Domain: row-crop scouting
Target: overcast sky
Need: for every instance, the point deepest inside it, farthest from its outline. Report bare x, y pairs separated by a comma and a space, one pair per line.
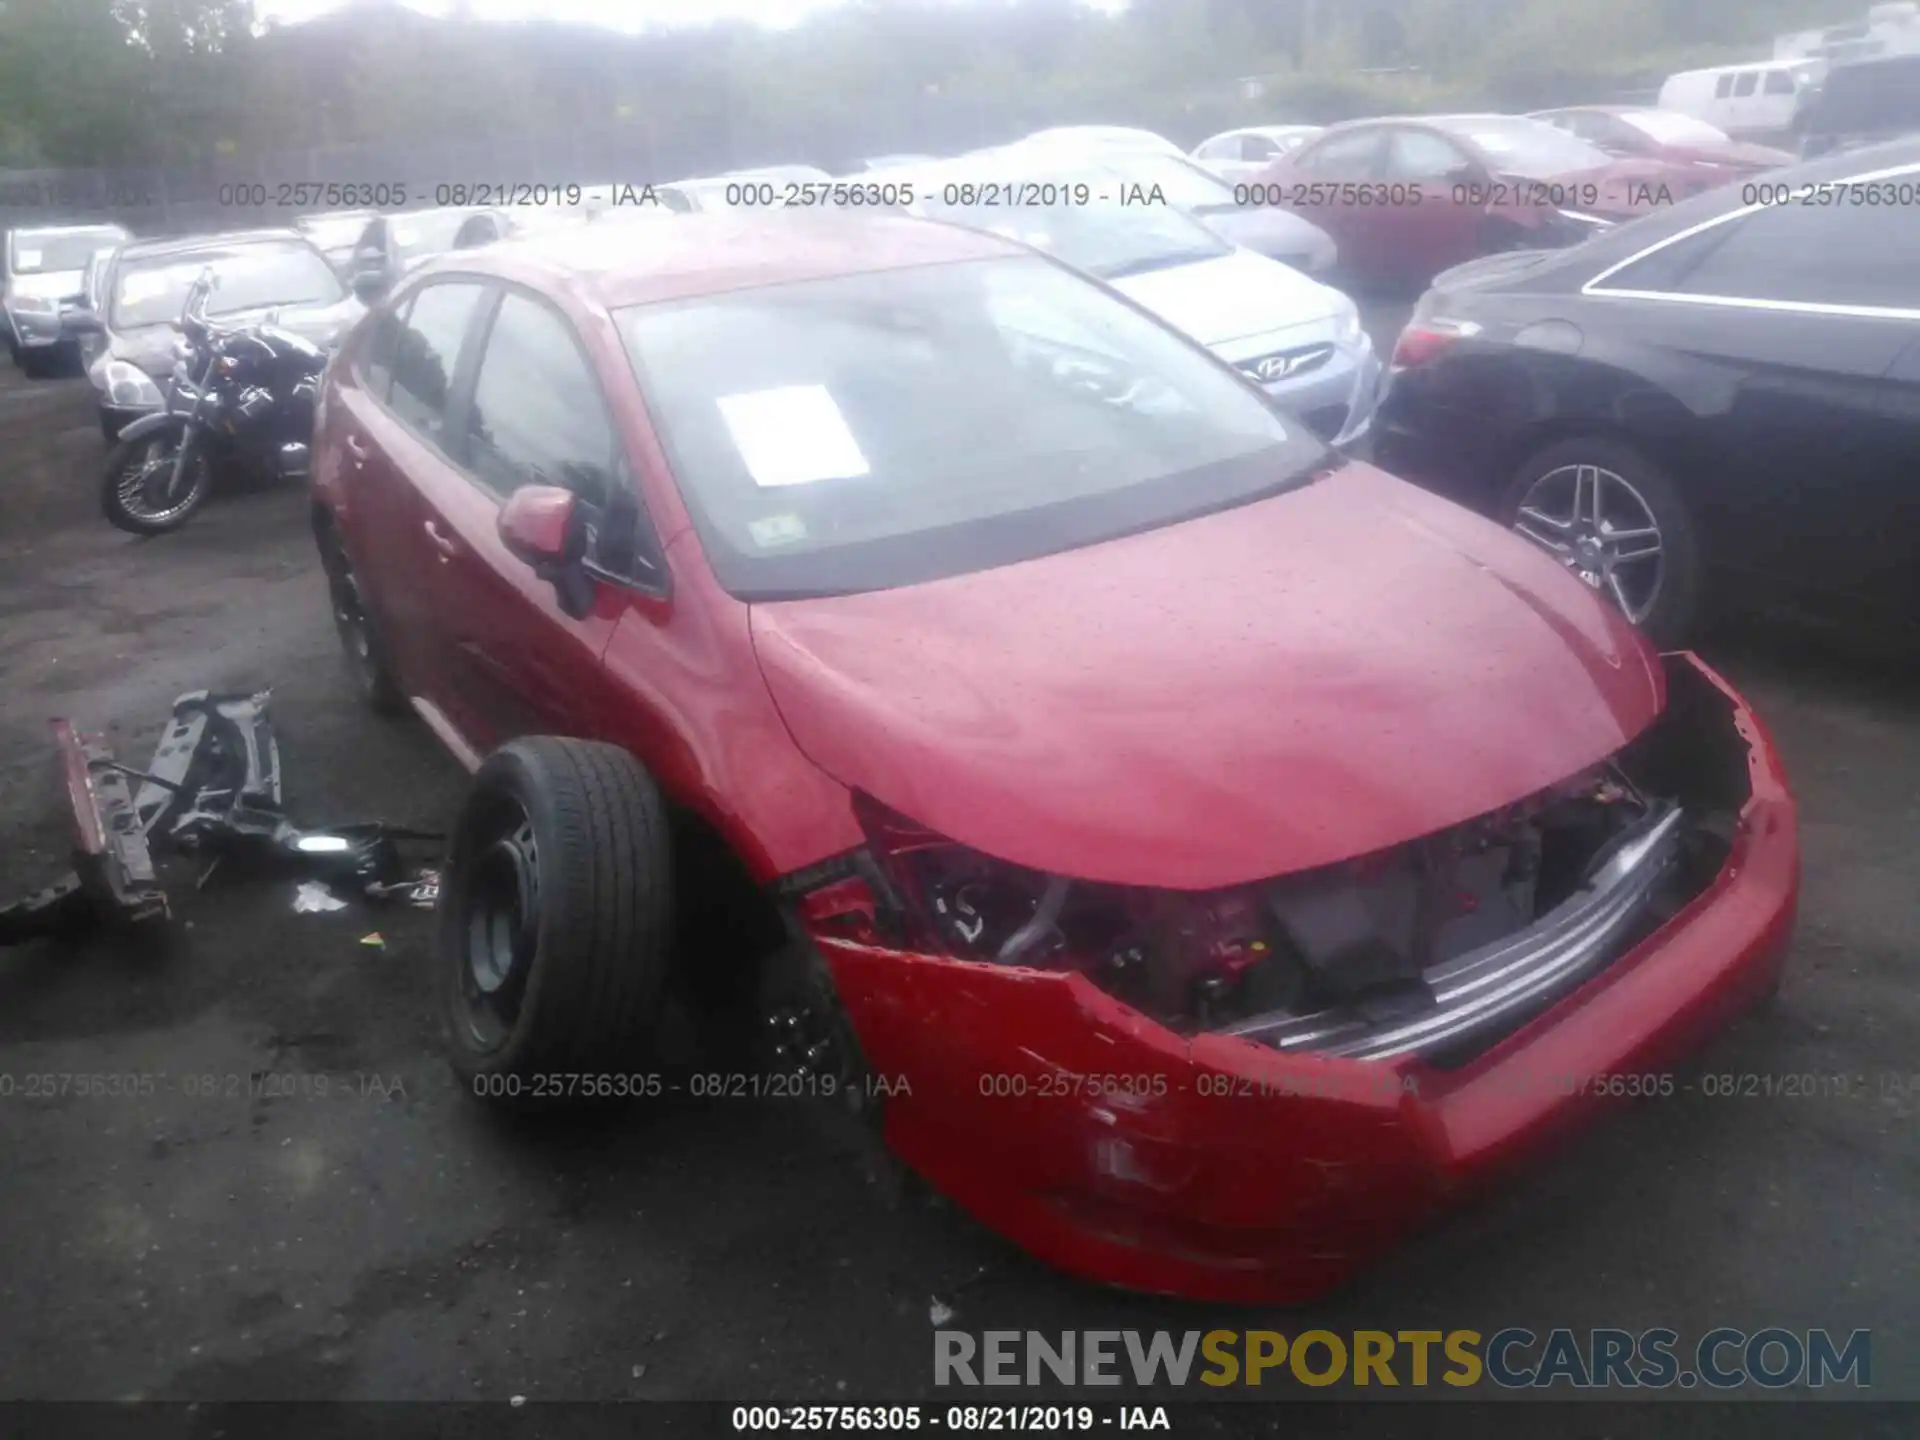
623, 14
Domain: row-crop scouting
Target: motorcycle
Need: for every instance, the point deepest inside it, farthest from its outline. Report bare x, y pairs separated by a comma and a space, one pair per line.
240, 397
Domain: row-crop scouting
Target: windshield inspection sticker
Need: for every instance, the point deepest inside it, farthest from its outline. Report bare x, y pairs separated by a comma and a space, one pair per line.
793, 435
777, 530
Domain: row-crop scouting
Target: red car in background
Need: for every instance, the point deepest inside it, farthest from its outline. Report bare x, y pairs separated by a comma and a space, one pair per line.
1405, 199
1196, 853
1709, 154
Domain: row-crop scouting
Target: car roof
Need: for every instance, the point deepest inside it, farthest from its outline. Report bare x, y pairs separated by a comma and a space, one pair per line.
64, 229
183, 244
711, 252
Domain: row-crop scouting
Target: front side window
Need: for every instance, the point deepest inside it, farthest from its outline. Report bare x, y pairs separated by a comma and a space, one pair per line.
1747, 83
886, 429
247, 277
426, 351
1779, 82
537, 416
1259, 147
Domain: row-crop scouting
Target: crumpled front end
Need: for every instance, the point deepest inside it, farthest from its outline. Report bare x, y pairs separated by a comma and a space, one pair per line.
1241, 1095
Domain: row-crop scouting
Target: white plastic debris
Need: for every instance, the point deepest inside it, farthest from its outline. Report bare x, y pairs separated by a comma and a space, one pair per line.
939, 1314
314, 898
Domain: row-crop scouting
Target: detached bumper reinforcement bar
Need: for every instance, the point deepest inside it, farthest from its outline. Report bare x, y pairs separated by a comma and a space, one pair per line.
1485, 988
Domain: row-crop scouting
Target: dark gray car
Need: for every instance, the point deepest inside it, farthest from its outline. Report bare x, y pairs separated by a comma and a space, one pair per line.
128, 333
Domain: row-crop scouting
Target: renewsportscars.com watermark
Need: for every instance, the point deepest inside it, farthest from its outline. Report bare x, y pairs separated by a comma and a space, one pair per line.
1513, 1358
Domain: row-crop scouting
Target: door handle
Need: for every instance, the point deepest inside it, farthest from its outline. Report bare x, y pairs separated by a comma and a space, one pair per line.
357, 448
441, 541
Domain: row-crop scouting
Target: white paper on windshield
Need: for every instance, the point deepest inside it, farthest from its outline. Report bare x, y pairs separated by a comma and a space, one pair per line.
773, 530
793, 435
27, 259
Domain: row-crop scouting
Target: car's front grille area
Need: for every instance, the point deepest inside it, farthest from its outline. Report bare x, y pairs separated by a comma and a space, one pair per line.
1280, 365
1486, 988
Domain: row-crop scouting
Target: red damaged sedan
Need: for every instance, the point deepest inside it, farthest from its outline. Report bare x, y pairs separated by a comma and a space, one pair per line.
1201, 853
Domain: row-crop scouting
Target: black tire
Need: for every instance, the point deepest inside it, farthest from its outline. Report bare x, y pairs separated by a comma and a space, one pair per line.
42, 363
127, 459
1674, 606
362, 645
109, 428
555, 922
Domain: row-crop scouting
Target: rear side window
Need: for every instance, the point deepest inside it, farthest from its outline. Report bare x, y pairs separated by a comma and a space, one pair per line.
1353, 154
537, 416
1839, 254
1746, 84
1421, 155
426, 350
374, 367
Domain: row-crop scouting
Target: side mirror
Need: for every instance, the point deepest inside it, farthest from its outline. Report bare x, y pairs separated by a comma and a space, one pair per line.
369, 285
81, 319
545, 526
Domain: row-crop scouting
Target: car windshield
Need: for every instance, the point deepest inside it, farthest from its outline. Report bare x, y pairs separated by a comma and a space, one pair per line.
886, 429
250, 277
1083, 221
1527, 147
52, 252
1670, 127
1883, 95
425, 232
1179, 180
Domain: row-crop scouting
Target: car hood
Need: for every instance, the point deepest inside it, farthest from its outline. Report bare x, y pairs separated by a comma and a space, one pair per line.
47, 285
1272, 231
1318, 675
1233, 297
151, 346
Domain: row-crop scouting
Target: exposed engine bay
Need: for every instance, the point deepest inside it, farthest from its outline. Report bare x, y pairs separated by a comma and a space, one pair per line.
1433, 947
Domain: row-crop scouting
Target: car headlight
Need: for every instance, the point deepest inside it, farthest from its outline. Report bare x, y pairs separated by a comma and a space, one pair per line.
1346, 325
130, 387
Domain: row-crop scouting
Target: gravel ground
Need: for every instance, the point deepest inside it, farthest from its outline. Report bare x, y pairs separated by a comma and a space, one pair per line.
389, 1240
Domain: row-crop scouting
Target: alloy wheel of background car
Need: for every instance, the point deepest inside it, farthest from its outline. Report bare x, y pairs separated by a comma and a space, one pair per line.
1599, 527
556, 921
133, 469
1613, 519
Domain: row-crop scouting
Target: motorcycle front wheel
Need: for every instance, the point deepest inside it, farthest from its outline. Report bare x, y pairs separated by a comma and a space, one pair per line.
140, 492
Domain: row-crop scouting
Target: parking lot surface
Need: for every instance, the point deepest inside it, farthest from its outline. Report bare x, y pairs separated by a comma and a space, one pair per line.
223, 1238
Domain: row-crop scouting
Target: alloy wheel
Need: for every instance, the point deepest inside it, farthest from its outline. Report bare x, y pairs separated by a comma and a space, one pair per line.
1602, 529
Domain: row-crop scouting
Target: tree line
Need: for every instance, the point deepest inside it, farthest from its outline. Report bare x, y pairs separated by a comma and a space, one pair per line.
187, 82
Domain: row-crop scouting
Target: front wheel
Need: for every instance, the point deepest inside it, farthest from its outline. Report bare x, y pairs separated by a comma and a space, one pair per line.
149, 488
556, 916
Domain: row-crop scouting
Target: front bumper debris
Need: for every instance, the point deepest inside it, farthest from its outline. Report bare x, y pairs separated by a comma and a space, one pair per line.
112, 875
1219, 1166
213, 789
